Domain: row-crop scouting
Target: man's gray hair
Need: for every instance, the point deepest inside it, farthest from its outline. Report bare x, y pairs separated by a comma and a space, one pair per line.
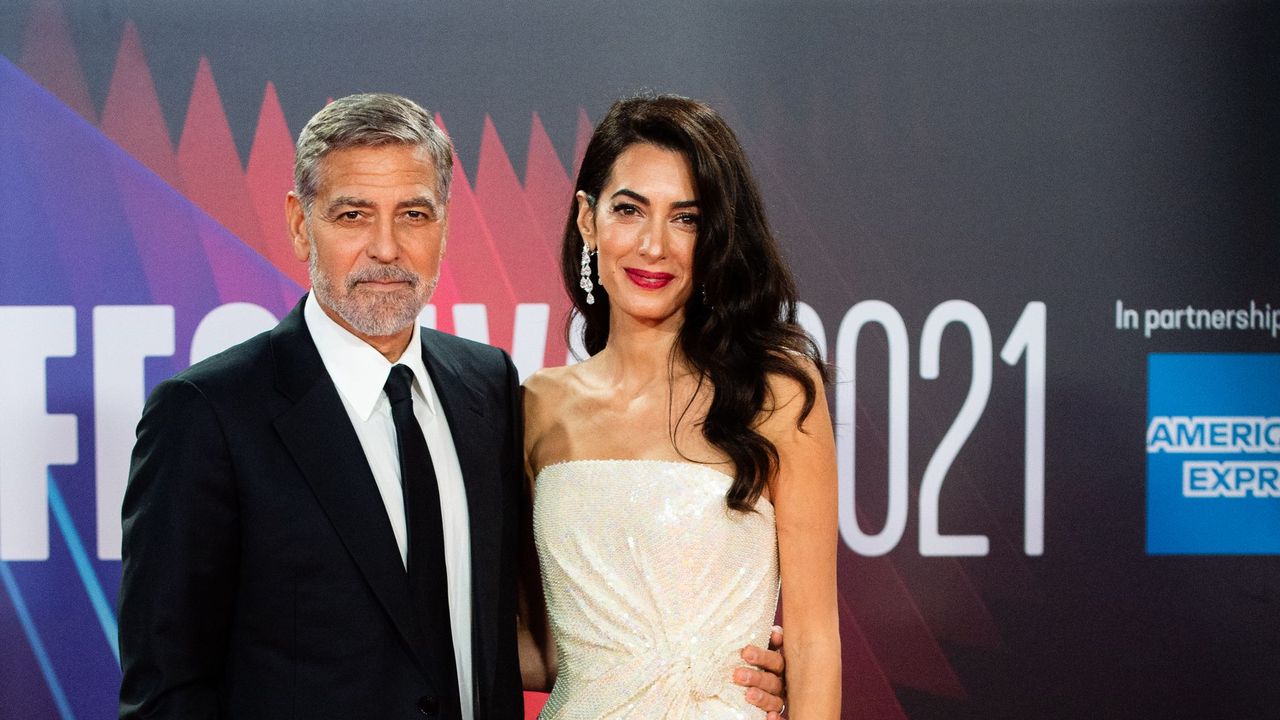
368, 120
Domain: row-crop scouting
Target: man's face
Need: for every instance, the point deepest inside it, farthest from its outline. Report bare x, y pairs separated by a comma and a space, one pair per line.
373, 239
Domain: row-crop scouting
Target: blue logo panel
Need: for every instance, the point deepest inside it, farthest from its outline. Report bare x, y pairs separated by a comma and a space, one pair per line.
1213, 454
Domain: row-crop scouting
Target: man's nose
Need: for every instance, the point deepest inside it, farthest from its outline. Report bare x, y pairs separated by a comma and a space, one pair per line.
384, 242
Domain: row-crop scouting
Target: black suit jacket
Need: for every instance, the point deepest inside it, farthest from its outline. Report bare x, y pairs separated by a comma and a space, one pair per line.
261, 576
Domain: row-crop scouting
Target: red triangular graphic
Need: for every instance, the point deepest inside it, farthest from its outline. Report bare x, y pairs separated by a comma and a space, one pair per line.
445, 297
210, 164
132, 116
547, 187
476, 265
269, 178
49, 57
549, 193
530, 264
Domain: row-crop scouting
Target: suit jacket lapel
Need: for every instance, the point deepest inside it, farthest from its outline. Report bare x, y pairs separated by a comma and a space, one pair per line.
472, 438
318, 435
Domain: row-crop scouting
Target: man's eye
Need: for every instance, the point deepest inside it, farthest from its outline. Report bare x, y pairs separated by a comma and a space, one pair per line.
350, 215
416, 215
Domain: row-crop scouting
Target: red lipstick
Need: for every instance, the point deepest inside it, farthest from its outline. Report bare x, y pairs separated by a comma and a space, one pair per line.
648, 279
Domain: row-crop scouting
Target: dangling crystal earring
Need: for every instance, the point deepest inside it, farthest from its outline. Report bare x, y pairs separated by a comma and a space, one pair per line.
585, 283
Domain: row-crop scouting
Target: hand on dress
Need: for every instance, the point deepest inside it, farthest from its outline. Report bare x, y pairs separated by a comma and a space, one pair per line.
766, 681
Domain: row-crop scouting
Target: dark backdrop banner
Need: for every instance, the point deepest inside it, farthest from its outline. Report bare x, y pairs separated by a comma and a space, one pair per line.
1037, 240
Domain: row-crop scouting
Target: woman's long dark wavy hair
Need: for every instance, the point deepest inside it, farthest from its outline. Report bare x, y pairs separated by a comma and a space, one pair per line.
741, 326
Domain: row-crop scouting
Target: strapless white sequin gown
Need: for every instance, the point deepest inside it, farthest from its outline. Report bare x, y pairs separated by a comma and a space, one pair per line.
653, 587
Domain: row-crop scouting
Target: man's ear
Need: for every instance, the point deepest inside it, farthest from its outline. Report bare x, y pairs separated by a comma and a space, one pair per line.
297, 222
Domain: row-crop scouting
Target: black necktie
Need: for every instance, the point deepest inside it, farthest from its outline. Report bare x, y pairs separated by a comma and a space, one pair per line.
428, 583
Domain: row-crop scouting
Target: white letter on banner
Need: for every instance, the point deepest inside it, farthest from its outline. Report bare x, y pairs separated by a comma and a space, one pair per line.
427, 318
30, 438
1027, 339
895, 522
228, 325
123, 337
471, 321
528, 336
529, 339
812, 324
932, 542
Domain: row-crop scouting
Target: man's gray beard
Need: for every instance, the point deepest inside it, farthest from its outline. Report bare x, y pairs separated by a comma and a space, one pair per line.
376, 314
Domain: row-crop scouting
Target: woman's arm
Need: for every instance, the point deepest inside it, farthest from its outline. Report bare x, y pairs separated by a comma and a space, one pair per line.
537, 652
804, 494
533, 633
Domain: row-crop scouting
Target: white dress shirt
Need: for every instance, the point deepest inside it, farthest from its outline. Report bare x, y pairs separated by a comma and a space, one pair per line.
359, 372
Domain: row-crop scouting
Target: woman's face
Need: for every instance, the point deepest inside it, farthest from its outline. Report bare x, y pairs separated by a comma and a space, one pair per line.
644, 225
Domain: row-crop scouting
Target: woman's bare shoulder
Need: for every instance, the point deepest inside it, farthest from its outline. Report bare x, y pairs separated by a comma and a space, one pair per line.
785, 408
550, 383
552, 399
548, 390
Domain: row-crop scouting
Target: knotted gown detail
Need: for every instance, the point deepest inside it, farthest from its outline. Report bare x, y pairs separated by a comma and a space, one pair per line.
653, 586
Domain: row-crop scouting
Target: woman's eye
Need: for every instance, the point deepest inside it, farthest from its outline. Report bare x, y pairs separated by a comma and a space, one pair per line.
687, 219
626, 209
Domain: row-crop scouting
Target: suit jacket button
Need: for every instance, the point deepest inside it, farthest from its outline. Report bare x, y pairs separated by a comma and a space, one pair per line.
428, 705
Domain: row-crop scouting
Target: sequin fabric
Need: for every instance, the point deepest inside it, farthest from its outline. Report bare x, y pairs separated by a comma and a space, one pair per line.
653, 587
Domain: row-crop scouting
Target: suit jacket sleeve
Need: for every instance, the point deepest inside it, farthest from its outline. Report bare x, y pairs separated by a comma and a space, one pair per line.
510, 703
180, 557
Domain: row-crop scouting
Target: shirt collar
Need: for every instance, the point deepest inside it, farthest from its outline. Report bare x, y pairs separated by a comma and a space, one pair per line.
357, 369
